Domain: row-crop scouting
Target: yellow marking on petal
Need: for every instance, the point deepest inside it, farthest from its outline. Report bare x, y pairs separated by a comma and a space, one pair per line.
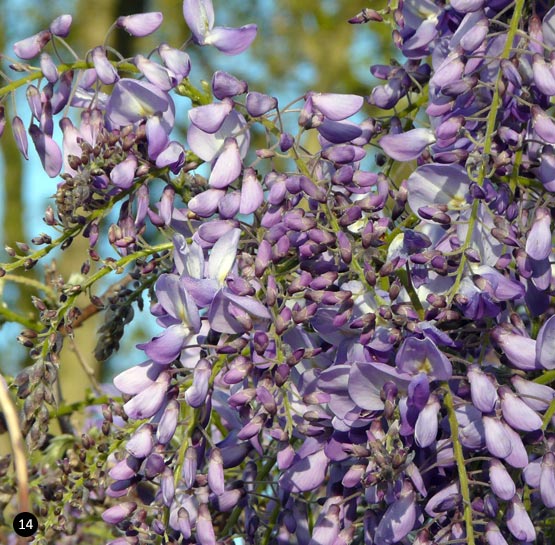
458, 202
425, 367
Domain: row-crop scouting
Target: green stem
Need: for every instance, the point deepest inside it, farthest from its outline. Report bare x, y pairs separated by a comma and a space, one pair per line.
11, 316
45, 250
461, 467
30, 282
488, 140
62, 68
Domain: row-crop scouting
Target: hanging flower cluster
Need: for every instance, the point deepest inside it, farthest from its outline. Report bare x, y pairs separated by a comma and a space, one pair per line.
345, 356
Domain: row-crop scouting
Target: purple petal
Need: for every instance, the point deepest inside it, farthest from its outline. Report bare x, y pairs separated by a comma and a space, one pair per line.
408, 145
516, 413
228, 206
168, 423
173, 157
166, 347
497, 439
216, 472
175, 300
118, 513
49, 68
425, 429
258, 104
252, 194
520, 351
538, 243
106, 72
177, 61
536, 396
49, 152
444, 500
228, 165
366, 380
123, 174
305, 474
543, 124
137, 378
231, 41
344, 153
438, 184
126, 469
207, 146
155, 73
206, 203
132, 100
61, 25
196, 394
252, 306
326, 529
199, 16
211, 117
518, 456
156, 135
32, 46
337, 106
222, 257
502, 484
141, 442
148, 402
20, 136
547, 480
210, 232
225, 85
543, 78
545, 345
494, 535
465, 6
423, 356
518, 521
205, 529
397, 521
339, 132
482, 389
189, 470
140, 24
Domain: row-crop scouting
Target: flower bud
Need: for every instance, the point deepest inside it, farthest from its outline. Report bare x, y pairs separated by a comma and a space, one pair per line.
140, 24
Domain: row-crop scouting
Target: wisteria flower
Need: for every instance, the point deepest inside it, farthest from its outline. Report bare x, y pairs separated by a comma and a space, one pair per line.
199, 16
180, 318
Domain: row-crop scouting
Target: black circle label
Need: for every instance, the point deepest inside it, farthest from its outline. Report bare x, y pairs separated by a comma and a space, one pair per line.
25, 524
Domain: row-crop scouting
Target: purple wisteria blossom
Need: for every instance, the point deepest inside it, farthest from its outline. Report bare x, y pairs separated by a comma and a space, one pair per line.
199, 16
